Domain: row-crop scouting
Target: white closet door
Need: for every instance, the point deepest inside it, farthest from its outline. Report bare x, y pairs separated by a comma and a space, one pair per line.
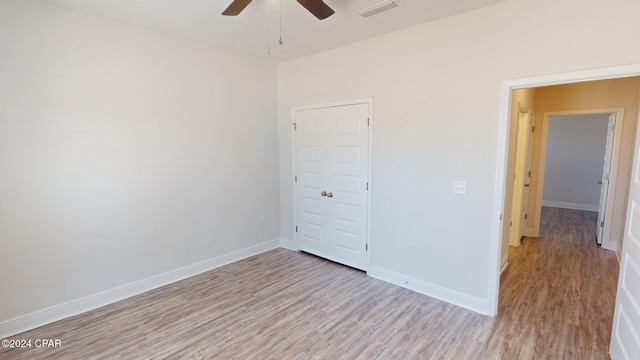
332, 157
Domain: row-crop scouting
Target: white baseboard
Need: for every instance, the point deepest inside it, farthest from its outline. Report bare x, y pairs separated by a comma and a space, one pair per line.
58, 312
451, 296
572, 206
609, 245
288, 244
504, 262
528, 232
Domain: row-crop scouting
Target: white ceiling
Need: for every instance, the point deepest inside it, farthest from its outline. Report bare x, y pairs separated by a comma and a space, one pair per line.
302, 33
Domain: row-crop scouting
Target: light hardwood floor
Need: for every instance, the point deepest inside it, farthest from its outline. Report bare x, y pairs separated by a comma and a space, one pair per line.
556, 302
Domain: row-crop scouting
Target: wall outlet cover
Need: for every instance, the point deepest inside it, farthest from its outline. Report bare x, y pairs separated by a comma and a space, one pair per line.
460, 187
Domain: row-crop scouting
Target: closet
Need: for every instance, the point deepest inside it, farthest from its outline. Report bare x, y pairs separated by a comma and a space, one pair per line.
332, 187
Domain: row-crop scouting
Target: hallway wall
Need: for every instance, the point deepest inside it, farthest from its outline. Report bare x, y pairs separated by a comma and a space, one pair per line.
574, 161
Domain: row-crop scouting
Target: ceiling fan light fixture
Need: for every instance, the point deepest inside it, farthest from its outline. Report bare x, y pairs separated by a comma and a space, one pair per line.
378, 8
316, 7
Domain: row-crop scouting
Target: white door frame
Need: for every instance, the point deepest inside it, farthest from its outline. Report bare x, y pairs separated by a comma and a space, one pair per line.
369, 102
501, 156
617, 141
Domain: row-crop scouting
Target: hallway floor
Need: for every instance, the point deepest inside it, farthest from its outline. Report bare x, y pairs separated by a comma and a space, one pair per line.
557, 294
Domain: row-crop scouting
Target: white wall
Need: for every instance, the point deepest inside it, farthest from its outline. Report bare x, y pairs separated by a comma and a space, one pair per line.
123, 155
436, 90
575, 156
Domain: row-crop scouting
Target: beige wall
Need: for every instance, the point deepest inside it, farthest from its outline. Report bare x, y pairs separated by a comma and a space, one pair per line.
605, 94
527, 98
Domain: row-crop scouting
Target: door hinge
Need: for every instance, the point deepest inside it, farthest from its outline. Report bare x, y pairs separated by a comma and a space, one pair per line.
295, 178
500, 217
527, 215
366, 247
367, 186
294, 127
296, 229
533, 129
602, 223
529, 173
510, 223
368, 122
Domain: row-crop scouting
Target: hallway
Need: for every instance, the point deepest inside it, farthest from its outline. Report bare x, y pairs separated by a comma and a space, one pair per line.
557, 295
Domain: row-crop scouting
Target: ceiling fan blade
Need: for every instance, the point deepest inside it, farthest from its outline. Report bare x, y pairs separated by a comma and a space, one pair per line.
236, 7
318, 8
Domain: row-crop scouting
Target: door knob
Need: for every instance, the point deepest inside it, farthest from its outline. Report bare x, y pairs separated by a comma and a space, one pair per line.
599, 182
526, 185
329, 194
324, 193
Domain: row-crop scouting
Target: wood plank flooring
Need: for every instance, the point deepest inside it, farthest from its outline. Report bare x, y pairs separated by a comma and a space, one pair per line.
557, 296
556, 302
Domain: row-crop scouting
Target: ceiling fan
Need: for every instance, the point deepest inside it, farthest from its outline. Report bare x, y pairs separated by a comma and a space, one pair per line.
317, 7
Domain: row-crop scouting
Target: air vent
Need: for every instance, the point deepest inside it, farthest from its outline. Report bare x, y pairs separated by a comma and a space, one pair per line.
378, 8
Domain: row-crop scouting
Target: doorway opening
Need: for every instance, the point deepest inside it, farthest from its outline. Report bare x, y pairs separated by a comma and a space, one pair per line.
524, 91
606, 88
526, 156
579, 158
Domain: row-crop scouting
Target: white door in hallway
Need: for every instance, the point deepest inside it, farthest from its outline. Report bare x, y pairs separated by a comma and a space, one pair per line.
332, 167
625, 335
526, 175
604, 183
522, 178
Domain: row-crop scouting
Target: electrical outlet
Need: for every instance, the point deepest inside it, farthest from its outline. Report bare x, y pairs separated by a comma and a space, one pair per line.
460, 187
412, 248
262, 221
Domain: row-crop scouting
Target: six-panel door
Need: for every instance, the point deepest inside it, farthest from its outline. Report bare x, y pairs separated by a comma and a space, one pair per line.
332, 157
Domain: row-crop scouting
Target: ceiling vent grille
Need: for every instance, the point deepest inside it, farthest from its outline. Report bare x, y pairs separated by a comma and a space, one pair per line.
378, 8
